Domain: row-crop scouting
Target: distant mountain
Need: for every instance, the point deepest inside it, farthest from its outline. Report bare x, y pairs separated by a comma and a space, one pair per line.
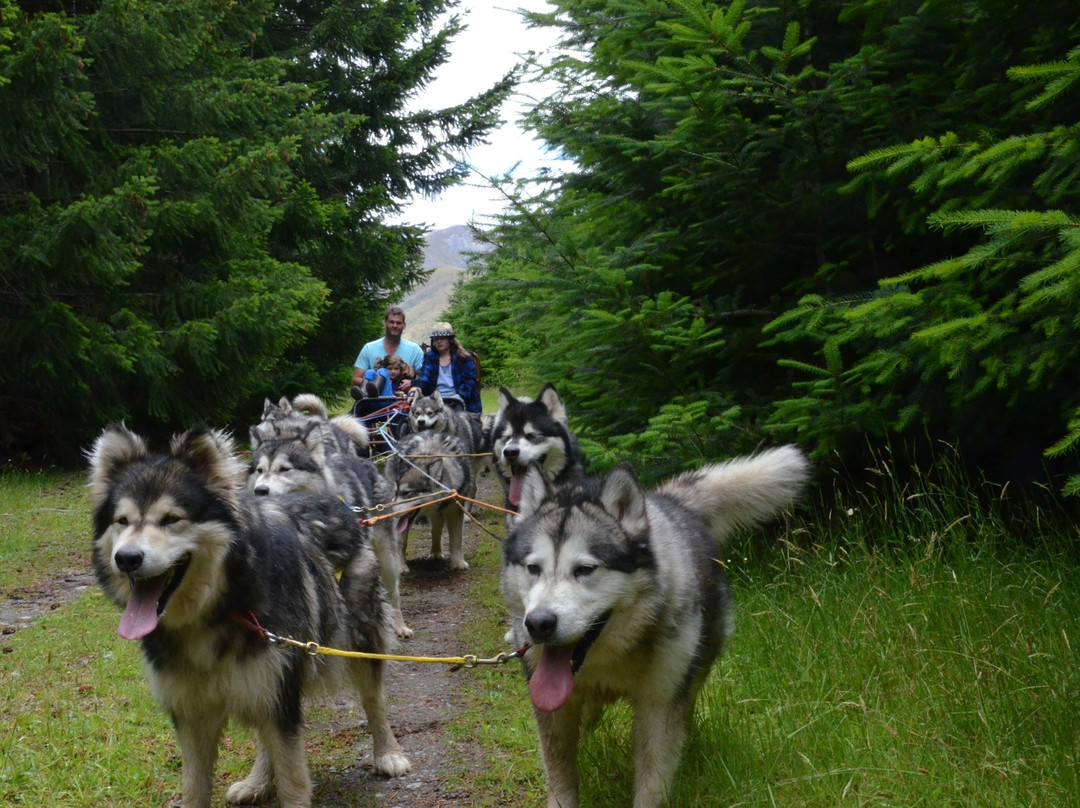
446, 247
445, 254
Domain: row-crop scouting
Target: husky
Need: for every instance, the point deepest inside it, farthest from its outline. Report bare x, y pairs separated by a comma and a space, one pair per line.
527, 431
432, 412
342, 434
619, 593
200, 568
426, 465
305, 462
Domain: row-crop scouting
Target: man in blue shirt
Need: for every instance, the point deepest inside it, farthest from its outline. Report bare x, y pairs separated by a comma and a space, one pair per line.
390, 343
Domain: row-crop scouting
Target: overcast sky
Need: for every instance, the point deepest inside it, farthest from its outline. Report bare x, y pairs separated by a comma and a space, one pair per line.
494, 41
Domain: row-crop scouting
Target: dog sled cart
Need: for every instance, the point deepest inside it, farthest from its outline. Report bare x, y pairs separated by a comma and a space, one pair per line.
386, 419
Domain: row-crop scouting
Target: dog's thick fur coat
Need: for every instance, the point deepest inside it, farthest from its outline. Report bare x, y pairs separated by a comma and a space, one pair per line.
527, 431
619, 593
342, 433
191, 556
432, 413
304, 460
426, 466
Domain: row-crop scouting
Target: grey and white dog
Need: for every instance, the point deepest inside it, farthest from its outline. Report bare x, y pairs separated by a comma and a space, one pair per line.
341, 434
433, 413
527, 431
198, 564
426, 466
618, 593
307, 461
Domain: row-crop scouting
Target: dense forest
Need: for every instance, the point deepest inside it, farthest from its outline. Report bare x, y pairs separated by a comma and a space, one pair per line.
851, 224
193, 196
847, 223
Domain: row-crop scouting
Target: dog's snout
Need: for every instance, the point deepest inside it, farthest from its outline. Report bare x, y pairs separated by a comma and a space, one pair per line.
261, 491
511, 452
128, 560
541, 624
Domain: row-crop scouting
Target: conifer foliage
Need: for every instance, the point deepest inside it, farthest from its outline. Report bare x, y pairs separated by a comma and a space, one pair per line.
984, 344
756, 187
192, 196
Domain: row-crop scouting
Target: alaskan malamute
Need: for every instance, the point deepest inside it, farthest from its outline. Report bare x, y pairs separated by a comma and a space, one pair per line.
619, 593
198, 565
433, 413
425, 466
342, 433
307, 462
529, 431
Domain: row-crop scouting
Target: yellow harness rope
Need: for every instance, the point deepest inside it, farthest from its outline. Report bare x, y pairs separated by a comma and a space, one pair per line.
467, 661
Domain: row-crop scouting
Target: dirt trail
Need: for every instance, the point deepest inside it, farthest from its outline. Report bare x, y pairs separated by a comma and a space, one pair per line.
423, 698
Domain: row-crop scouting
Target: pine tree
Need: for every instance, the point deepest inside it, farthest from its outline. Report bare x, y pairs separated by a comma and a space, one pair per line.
368, 61
712, 192
980, 346
193, 194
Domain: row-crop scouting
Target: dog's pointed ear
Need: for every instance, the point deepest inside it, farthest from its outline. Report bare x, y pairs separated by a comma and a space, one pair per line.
553, 403
535, 488
623, 497
212, 454
116, 447
506, 398
438, 397
314, 439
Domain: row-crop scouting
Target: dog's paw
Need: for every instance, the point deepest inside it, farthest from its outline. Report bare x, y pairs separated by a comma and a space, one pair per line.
250, 792
459, 564
403, 631
392, 764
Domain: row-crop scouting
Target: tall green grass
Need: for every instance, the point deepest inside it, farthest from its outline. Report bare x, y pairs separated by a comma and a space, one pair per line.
78, 726
911, 647
44, 526
940, 679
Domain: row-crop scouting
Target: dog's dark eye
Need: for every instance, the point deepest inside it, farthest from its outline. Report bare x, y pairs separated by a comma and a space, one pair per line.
169, 519
122, 521
534, 569
584, 570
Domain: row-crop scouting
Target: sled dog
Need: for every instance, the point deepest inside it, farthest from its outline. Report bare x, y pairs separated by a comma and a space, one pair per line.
426, 465
305, 462
342, 434
432, 412
619, 593
198, 565
532, 431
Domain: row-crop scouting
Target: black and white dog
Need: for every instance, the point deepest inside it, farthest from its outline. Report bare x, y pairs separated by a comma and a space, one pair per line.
618, 594
195, 560
527, 431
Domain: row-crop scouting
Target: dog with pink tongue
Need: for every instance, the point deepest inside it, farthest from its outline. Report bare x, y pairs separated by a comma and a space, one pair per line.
618, 593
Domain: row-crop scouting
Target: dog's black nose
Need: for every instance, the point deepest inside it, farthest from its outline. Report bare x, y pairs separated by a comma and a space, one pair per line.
541, 624
128, 560
511, 452
262, 491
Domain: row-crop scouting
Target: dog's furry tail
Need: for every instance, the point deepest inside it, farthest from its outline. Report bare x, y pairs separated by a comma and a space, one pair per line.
355, 429
310, 404
742, 492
